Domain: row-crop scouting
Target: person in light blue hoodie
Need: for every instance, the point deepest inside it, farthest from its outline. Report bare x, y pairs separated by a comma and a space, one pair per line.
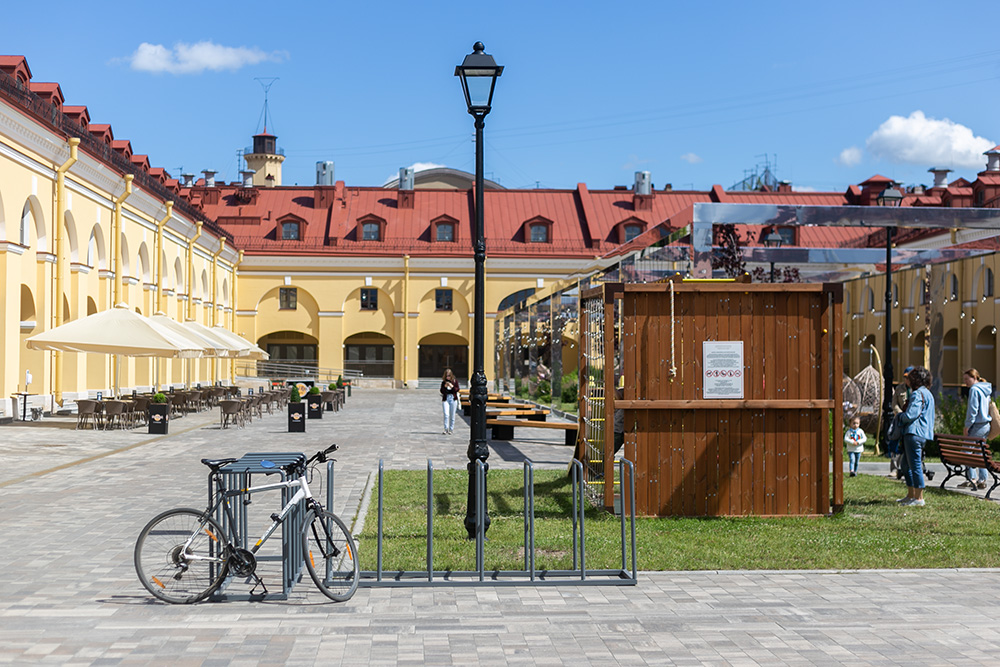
918, 429
977, 421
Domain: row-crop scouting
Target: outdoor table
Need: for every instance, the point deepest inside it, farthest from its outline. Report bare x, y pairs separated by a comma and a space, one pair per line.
24, 404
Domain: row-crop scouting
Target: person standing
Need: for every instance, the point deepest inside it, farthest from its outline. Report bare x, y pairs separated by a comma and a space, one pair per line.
449, 400
977, 421
918, 429
900, 397
855, 440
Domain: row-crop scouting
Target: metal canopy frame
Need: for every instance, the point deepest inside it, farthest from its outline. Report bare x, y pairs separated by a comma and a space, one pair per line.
705, 215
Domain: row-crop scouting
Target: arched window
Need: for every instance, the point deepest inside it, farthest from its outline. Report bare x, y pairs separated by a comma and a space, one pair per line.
290, 231
895, 295
953, 287
987, 282
370, 232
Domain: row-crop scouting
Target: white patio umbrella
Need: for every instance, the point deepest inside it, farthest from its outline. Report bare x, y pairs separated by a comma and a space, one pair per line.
119, 331
223, 347
247, 349
211, 347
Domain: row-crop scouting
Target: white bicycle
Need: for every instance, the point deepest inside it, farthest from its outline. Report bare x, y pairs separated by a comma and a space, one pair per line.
183, 555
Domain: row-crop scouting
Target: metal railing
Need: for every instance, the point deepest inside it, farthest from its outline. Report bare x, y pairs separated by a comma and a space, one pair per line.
274, 370
579, 575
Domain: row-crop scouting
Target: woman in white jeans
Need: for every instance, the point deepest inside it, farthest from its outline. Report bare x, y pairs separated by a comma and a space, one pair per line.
449, 400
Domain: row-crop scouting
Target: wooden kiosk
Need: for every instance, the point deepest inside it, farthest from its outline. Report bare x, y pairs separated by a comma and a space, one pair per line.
730, 390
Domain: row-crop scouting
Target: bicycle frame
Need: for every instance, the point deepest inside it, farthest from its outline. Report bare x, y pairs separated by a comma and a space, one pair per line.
223, 495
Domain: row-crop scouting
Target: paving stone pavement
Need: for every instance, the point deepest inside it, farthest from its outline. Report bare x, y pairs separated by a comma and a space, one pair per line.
73, 502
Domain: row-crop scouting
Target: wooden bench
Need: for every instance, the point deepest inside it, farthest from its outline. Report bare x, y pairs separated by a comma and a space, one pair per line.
536, 415
960, 452
503, 429
467, 405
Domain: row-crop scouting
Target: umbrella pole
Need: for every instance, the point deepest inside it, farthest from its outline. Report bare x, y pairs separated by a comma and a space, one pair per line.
118, 368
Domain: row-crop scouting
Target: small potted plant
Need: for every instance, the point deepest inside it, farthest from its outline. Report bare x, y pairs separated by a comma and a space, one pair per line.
296, 412
315, 400
158, 417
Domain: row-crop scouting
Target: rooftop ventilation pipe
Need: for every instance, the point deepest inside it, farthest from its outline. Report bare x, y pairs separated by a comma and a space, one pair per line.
993, 159
643, 183
248, 177
940, 176
209, 177
187, 180
324, 173
406, 178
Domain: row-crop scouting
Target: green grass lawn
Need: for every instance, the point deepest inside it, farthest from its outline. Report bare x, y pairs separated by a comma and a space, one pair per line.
873, 531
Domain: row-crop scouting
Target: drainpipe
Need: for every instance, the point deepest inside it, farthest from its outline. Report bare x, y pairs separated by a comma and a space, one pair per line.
406, 308
190, 289
190, 271
117, 240
61, 259
232, 320
160, 224
215, 304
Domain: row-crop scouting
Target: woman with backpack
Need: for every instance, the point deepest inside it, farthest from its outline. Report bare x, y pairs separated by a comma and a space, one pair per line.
977, 421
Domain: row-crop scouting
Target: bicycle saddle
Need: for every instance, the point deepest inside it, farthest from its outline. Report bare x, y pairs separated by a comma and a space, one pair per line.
215, 464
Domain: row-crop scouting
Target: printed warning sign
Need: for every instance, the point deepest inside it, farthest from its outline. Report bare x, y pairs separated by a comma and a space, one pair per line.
723, 369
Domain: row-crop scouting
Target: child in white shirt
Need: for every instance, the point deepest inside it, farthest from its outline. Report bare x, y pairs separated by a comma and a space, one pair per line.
855, 439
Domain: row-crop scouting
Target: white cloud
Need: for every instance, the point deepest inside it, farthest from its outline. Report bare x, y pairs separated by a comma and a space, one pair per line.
928, 142
804, 188
691, 158
196, 58
849, 157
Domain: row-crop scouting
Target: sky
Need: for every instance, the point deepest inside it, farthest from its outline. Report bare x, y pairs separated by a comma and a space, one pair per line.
825, 93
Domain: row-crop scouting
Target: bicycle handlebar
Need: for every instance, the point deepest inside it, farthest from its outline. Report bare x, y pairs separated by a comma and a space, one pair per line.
321, 455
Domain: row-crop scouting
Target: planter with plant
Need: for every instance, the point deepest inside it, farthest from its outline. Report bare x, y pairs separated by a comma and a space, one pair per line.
158, 414
315, 400
296, 412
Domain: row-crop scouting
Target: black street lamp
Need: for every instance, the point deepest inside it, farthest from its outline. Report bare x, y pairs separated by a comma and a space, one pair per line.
478, 73
773, 240
889, 197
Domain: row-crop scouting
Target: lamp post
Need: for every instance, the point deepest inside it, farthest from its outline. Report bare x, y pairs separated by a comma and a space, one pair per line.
773, 240
889, 197
478, 73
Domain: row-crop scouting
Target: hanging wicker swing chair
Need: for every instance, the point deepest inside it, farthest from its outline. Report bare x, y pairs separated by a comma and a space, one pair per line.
870, 388
852, 399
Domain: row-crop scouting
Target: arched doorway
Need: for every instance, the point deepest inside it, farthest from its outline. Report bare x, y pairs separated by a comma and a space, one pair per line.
291, 347
949, 364
440, 351
984, 353
372, 354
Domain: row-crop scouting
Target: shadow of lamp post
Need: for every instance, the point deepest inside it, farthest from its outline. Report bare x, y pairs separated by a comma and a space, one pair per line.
478, 73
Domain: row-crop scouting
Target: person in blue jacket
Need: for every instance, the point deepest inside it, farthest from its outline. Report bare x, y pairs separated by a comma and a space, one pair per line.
918, 429
977, 421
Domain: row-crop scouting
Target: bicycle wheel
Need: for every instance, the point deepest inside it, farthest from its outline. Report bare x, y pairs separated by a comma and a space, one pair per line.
331, 555
181, 556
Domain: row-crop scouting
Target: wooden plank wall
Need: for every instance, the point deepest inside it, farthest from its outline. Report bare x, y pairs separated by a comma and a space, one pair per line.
765, 455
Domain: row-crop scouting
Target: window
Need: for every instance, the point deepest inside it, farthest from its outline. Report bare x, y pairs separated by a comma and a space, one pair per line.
370, 232
987, 283
539, 233
369, 299
287, 298
25, 222
631, 231
289, 231
954, 287
442, 299
445, 231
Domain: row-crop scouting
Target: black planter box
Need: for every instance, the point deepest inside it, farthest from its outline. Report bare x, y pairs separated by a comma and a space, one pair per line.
158, 418
315, 406
296, 417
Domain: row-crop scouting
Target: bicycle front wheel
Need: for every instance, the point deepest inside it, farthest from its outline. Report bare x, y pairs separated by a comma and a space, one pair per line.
181, 556
331, 555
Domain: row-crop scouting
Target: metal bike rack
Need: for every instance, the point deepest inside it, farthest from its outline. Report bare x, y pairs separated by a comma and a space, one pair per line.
626, 575
237, 479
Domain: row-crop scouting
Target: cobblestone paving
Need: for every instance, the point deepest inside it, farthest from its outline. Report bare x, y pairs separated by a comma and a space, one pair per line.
72, 503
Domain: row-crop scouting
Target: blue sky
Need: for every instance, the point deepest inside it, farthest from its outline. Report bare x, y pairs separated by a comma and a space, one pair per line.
696, 93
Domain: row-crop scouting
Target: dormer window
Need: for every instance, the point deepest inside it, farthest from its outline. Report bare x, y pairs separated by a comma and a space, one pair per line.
290, 231
370, 232
538, 233
370, 228
444, 232
631, 231
627, 230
